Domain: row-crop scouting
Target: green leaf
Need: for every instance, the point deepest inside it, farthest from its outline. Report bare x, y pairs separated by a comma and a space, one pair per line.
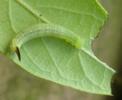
54, 59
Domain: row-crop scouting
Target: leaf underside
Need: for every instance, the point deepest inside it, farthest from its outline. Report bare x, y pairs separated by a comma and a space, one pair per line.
54, 59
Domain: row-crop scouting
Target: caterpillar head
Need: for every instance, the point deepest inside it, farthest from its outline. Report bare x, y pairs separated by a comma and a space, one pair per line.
14, 48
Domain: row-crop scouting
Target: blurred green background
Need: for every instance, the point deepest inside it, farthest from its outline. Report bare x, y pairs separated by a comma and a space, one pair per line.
17, 84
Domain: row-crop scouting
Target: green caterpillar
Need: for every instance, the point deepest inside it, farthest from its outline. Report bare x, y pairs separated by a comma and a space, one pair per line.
45, 30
